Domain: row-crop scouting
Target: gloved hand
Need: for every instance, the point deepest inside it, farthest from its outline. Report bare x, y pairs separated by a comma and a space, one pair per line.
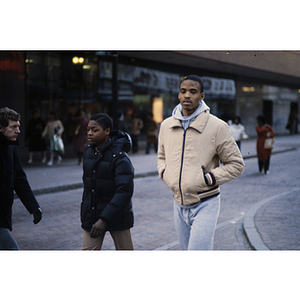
37, 215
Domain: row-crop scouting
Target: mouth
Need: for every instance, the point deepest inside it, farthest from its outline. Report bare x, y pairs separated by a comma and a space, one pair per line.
186, 102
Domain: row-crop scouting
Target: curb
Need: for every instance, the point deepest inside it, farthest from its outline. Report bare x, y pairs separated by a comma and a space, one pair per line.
249, 227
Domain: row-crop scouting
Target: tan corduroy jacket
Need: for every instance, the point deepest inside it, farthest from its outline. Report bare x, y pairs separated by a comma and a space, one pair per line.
184, 157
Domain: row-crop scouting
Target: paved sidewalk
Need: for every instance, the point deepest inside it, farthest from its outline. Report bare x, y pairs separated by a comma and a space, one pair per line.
260, 231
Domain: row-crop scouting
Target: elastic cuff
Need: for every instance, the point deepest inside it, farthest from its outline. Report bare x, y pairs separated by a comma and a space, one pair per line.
210, 179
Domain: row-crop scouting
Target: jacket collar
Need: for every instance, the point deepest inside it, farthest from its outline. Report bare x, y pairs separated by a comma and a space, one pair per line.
198, 124
4, 142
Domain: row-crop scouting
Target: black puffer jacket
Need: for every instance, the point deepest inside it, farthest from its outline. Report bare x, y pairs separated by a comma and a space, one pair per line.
108, 184
12, 177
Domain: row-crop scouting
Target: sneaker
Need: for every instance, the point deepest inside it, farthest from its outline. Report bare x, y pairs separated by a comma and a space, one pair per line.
44, 160
30, 161
59, 159
267, 172
50, 163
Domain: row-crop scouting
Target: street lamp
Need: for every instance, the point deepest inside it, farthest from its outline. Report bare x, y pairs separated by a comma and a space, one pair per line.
79, 61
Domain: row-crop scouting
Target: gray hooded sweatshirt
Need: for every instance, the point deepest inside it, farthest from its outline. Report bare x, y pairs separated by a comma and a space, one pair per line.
187, 121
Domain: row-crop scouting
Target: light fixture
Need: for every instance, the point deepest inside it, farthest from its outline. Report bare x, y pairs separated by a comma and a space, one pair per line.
248, 89
77, 60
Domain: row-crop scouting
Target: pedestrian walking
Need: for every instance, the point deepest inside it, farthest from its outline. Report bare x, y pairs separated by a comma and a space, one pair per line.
292, 124
151, 133
12, 178
264, 131
135, 131
80, 135
191, 144
53, 131
238, 131
34, 138
122, 122
108, 186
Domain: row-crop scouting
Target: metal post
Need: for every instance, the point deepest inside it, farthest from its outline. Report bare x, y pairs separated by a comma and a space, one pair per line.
115, 91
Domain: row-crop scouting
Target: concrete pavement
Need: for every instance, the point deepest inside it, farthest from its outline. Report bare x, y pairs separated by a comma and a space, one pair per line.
259, 221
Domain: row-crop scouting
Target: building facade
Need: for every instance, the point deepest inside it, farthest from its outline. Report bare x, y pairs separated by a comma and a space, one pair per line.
244, 83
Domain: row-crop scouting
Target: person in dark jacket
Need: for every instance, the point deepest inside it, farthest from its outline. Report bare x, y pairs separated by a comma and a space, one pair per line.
108, 186
12, 178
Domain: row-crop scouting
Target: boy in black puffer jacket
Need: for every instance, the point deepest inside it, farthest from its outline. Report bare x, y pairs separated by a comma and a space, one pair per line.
108, 186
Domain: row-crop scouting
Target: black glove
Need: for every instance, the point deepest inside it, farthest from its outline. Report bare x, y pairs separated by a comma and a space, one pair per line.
37, 215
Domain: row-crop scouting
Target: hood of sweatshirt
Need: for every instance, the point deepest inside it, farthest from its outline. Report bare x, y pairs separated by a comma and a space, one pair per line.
186, 121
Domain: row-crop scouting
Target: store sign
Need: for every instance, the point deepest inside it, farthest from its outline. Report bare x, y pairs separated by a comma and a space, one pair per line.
11, 62
215, 87
143, 77
152, 79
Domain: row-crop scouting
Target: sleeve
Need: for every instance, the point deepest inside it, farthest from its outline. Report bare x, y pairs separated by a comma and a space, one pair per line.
161, 158
22, 187
244, 134
124, 174
232, 163
61, 128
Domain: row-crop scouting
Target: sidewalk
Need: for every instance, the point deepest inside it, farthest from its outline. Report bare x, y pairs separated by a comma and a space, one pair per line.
68, 176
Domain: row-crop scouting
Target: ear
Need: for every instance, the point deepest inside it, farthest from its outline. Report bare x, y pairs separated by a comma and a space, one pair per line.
107, 131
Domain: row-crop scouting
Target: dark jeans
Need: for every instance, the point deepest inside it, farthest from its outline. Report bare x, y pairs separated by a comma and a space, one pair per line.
264, 165
7, 241
135, 143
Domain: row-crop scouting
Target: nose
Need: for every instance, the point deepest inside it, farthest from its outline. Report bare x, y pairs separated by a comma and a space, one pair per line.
187, 94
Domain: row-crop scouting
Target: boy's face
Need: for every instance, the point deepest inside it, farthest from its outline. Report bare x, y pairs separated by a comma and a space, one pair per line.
12, 131
96, 135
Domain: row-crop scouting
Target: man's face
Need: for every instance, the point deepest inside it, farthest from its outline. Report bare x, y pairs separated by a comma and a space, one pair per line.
12, 131
189, 96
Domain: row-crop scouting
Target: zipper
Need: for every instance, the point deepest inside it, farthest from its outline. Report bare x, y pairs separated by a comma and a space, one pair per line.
181, 166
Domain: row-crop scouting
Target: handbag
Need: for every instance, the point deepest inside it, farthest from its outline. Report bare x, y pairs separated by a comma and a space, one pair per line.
269, 142
57, 145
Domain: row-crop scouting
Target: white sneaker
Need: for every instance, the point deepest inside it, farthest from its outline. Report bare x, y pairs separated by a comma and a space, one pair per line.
50, 163
59, 159
30, 161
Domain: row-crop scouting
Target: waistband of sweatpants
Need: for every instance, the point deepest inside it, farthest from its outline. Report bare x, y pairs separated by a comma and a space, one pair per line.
209, 194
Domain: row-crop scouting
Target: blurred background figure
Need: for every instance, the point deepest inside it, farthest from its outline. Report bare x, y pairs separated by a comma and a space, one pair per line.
136, 126
238, 131
53, 129
122, 123
292, 124
33, 136
80, 134
263, 131
151, 133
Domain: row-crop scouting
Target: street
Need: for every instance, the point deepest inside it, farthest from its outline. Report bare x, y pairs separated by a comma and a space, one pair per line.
152, 204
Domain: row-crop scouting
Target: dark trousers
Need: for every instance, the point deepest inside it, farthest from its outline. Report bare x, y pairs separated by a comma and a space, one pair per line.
264, 165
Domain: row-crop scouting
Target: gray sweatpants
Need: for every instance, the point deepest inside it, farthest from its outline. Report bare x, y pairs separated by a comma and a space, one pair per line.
196, 224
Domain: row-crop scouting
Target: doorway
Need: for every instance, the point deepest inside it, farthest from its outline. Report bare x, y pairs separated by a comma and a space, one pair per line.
268, 111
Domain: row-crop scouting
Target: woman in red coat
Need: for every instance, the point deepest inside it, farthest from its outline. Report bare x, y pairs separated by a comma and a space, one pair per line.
263, 131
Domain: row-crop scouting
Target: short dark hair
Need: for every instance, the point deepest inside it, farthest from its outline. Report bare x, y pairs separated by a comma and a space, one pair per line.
7, 114
261, 118
194, 78
103, 120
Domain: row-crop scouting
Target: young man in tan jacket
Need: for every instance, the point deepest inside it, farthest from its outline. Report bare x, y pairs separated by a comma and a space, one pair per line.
192, 142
